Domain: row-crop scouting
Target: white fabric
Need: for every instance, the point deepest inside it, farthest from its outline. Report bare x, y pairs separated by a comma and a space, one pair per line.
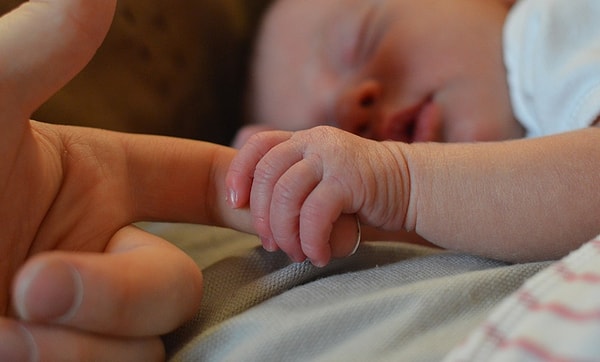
552, 54
555, 316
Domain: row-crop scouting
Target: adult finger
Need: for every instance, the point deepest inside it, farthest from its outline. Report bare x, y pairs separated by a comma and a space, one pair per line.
117, 292
35, 342
43, 44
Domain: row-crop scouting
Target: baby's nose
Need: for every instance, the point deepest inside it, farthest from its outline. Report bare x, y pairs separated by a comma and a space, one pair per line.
358, 109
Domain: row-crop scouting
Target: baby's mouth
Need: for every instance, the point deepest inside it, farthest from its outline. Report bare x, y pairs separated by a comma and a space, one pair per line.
417, 123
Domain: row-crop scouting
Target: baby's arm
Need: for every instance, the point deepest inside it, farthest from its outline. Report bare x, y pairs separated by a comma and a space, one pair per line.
515, 200
520, 200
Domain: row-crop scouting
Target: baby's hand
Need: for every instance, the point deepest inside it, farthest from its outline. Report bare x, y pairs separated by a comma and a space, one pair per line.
299, 184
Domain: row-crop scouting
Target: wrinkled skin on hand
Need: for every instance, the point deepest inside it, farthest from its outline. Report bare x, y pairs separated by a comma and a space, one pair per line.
299, 184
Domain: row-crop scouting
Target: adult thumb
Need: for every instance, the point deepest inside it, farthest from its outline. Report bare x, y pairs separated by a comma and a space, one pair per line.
44, 44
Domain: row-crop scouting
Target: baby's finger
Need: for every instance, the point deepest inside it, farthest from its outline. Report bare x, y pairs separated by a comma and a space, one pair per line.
242, 168
345, 236
31, 342
117, 292
321, 209
44, 44
268, 171
289, 194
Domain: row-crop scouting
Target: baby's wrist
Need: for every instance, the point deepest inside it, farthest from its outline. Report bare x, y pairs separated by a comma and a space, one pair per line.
398, 170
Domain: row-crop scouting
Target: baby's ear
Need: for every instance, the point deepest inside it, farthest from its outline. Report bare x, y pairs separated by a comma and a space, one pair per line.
246, 132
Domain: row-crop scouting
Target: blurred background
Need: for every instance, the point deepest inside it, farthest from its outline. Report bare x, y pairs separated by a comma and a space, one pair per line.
174, 68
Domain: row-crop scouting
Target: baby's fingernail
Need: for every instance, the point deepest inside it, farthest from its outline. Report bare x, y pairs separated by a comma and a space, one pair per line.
232, 198
17, 343
268, 244
318, 263
49, 291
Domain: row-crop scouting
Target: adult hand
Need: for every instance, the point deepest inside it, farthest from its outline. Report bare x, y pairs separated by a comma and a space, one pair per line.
77, 281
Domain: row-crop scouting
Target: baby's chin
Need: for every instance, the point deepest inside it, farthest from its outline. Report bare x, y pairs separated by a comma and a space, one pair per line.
467, 129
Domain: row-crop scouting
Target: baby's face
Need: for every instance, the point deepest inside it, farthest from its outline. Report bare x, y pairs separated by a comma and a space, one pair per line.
405, 70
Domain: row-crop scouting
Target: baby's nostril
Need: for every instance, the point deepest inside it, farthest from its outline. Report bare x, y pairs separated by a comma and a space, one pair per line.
367, 101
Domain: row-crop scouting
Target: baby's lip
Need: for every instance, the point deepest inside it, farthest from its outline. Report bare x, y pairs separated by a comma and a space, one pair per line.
417, 123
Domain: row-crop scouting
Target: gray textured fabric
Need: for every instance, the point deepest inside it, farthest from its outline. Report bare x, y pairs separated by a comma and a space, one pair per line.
390, 301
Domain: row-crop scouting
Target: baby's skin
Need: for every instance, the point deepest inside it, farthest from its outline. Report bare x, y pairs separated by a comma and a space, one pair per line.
516, 200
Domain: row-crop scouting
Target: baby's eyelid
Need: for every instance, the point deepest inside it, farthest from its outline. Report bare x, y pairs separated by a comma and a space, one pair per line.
366, 42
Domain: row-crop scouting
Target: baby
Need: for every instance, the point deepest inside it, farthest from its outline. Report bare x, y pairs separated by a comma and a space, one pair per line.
424, 83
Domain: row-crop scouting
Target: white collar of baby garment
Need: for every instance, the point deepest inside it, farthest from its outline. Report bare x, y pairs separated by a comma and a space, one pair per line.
551, 52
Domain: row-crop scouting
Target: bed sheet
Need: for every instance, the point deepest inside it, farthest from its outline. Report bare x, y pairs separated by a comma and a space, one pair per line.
389, 301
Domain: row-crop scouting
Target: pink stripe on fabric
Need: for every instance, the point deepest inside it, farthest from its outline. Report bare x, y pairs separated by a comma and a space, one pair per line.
560, 310
570, 276
526, 345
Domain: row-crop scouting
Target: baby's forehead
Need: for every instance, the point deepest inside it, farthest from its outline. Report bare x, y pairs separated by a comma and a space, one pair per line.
290, 23
286, 13
286, 62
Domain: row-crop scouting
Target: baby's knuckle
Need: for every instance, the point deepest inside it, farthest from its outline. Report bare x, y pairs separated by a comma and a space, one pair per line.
283, 194
265, 170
